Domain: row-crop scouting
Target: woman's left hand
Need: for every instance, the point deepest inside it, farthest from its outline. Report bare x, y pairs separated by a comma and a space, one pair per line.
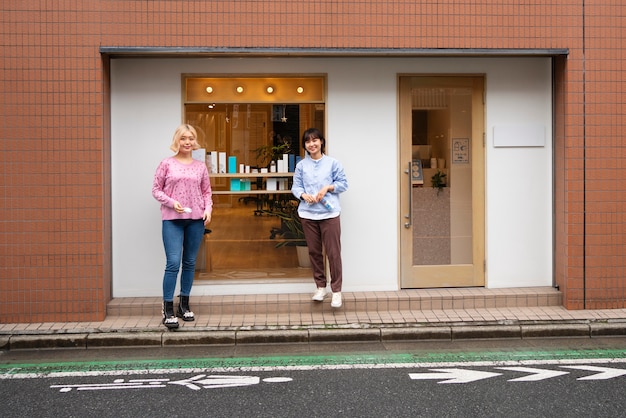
206, 218
320, 195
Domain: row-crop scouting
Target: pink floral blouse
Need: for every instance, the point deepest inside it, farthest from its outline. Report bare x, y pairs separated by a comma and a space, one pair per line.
188, 184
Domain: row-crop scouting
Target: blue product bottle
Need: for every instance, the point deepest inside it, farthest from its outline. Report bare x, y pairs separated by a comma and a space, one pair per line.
327, 204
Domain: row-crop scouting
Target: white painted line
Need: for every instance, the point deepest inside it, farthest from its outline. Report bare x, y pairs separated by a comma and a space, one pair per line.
204, 381
604, 373
117, 384
454, 375
278, 379
535, 374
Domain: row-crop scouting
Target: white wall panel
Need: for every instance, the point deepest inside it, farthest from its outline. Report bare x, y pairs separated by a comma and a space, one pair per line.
362, 131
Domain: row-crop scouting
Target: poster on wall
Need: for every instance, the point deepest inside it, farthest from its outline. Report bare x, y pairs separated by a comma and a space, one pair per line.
460, 151
417, 174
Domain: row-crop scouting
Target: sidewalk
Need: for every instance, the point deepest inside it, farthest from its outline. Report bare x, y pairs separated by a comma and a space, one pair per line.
425, 314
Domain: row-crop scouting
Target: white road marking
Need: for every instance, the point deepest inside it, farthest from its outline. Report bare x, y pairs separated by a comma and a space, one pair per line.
536, 374
117, 384
278, 379
604, 373
454, 375
204, 381
198, 382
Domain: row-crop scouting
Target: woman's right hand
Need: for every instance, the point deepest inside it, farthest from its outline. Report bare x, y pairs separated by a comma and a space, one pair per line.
308, 198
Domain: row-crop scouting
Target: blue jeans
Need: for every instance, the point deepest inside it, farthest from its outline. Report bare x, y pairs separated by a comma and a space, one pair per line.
181, 239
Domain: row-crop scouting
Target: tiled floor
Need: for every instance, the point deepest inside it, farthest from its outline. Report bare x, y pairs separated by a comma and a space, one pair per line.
361, 309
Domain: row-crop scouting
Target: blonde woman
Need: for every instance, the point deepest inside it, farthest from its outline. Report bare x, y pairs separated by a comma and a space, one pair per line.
181, 184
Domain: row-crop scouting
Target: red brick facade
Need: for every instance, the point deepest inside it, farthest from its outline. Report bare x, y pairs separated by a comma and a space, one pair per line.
55, 255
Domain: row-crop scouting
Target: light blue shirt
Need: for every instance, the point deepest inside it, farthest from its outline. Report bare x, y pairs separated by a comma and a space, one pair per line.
310, 176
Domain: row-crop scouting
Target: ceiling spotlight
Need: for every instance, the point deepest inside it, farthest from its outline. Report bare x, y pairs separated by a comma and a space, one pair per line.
269, 89
239, 89
300, 90
209, 89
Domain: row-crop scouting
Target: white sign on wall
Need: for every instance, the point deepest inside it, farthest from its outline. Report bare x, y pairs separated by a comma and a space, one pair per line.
519, 136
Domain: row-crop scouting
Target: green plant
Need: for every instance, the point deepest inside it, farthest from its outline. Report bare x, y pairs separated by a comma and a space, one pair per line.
265, 154
290, 229
438, 180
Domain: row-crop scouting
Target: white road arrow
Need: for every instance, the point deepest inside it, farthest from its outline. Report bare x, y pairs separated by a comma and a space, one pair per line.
536, 374
604, 373
453, 375
199, 382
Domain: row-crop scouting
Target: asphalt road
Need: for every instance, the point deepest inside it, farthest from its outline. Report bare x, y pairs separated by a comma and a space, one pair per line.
564, 378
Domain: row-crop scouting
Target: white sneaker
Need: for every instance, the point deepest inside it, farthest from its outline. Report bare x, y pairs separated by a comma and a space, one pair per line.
320, 294
336, 302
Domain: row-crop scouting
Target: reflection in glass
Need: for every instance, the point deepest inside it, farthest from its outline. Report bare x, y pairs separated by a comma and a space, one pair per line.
247, 239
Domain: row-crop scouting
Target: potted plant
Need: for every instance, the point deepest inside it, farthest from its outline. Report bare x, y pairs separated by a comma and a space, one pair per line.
438, 180
265, 154
290, 225
290, 229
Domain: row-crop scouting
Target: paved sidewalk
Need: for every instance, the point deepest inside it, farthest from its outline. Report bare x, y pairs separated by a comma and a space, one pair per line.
444, 314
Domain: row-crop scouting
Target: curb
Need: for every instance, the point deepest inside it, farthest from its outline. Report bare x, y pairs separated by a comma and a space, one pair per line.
366, 333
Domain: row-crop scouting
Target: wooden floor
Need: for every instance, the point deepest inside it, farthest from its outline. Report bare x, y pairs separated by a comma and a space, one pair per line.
240, 246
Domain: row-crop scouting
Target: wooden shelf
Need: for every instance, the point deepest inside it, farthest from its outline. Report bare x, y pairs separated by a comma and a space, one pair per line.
248, 192
248, 175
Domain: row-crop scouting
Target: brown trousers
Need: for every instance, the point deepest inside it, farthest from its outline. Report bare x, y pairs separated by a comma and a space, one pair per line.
320, 235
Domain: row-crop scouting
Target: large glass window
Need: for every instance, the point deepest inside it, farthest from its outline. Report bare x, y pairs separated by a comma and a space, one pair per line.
251, 148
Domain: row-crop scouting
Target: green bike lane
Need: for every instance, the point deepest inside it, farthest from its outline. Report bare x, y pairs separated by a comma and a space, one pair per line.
130, 361
572, 377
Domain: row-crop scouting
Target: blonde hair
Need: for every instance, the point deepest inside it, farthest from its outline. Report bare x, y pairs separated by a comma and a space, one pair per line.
180, 131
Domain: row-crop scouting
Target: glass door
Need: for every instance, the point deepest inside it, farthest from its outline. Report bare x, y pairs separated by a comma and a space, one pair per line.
442, 181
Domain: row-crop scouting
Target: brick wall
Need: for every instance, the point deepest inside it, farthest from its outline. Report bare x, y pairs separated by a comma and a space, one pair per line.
54, 229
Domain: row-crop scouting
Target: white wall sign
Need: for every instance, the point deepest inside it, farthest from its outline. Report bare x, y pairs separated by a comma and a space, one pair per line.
519, 136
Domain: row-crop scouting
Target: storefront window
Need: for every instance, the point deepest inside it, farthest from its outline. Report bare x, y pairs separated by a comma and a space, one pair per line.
251, 149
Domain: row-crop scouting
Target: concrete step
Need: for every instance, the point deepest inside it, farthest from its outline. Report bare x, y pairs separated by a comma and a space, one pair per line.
300, 303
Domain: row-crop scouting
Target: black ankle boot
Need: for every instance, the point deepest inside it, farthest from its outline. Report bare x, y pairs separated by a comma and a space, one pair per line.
183, 309
169, 319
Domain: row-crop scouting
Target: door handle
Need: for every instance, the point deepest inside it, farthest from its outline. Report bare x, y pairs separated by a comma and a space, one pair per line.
407, 224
